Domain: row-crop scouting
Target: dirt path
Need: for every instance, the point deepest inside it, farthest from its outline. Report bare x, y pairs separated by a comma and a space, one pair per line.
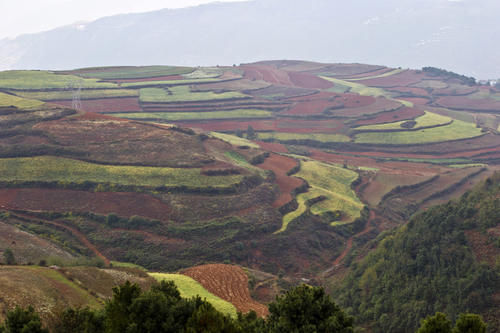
77, 234
348, 246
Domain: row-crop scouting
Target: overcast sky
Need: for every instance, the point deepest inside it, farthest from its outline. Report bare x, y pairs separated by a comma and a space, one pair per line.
28, 16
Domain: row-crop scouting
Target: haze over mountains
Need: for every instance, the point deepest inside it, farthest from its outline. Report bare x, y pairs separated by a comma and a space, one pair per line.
452, 34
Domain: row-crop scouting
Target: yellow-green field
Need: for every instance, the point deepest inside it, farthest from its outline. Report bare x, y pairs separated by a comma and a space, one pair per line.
455, 131
331, 182
84, 94
189, 287
183, 94
234, 140
321, 137
395, 71
130, 72
173, 116
366, 91
428, 119
7, 100
56, 169
168, 82
33, 80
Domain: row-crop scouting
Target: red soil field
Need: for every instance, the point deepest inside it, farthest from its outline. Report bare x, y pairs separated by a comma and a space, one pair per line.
255, 72
389, 117
416, 100
348, 70
280, 165
316, 96
106, 104
411, 90
230, 125
381, 104
314, 107
405, 78
308, 126
157, 78
465, 103
455, 90
60, 200
272, 147
306, 80
355, 101
229, 283
373, 73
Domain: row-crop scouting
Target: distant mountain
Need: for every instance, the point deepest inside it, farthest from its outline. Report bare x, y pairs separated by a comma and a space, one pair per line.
453, 34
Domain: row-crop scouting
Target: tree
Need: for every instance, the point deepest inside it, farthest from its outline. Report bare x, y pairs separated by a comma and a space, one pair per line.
117, 310
439, 323
80, 321
8, 257
251, 133
307, 309
469, 323
22, 320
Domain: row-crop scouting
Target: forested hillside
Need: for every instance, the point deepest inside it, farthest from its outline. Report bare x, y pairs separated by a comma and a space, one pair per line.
445, 259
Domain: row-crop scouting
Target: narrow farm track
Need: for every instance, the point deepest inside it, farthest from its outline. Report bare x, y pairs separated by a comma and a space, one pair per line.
77, 234
348, 247
229, 283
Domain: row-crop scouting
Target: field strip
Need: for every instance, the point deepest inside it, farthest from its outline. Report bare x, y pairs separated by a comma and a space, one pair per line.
393, 72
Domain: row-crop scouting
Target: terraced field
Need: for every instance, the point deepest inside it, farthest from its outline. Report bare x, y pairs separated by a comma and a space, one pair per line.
183, 94
7, 100
320, 137
179, 116
39, 80
189, 287
429, 119
129, 72
83, 94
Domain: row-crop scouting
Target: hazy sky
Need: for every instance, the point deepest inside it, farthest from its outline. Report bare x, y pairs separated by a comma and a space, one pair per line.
28, 16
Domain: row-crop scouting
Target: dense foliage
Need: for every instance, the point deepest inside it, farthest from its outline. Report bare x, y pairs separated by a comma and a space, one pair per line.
161, 309
427, 266
441, 72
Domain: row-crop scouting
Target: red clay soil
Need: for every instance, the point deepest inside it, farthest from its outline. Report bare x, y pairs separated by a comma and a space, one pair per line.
314, 97
77, 234
306, 80
465, 103
229, 283
416, 100
392, 116
59, 200
157, 78
482, 247
230, 125
106, 104
280, 165
268, 74
455, 90
411, 90
308, 126
381, 105
373, 73
272, 147
405, 78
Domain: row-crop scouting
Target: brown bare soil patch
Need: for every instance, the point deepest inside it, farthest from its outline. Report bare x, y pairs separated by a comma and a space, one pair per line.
268, 74
306, 80
58, 200
391, 116
416, 100
106, 104
272, 147
229, 283
405, 78
372, 73
482, 247
380, 105
315, 107
231, 125
308, 126
465, 103
280, 165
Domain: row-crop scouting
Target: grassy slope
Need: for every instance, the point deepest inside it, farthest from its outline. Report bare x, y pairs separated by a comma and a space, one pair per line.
50, 169
135, 72
173, 116
428, 119
84, 94
7, 100
321, 137
34, 80
234, 140
189, 287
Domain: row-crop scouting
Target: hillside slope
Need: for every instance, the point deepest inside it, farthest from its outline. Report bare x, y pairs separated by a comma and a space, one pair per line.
446, 259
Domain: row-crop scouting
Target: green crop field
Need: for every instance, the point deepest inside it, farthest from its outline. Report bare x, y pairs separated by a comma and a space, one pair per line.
7, 100
366, 91
234, 140
54, 169
183, 94
395, 71
189, 287
133, 72
34, 80
173, 116
455, 131
168, 82
321, 137
331, 182
84, 94
428, 119
205, 73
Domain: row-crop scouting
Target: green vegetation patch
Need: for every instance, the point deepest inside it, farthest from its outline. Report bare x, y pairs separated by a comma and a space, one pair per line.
63, 170
205, 73
183, 94
173, 116
134, 72
7, 100
168, 82
35, 80
457, 130
427, 120
321, 137
189, 287
84, 94
333, 184
234, 140
386, 74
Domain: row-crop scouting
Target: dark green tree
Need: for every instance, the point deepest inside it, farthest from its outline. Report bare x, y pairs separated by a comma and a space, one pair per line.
22, 320
250, 323
8, 257
207, 319
439, 323
307, 309
251, 133
469, 323
80, 321
117, 310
